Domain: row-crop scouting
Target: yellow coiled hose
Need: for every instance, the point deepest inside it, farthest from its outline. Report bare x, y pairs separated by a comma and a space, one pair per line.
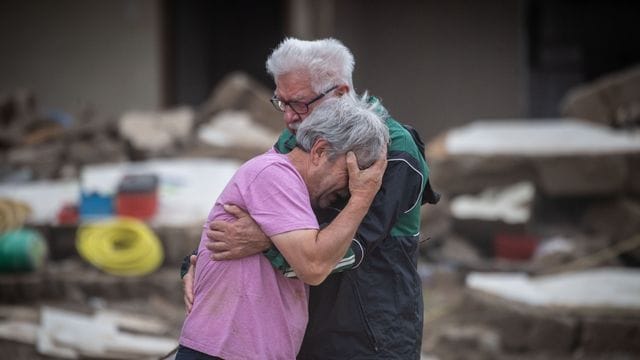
13, 214
123, 246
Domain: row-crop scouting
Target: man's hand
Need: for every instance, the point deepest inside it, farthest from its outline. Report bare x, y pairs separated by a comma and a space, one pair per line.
237, 239
365, 183
187, 282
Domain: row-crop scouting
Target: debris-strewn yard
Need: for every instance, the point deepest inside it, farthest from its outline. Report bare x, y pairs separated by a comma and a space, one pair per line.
532, 253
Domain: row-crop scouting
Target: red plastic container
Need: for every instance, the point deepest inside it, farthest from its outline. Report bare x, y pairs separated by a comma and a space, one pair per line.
141, 206
514, 246
137, 196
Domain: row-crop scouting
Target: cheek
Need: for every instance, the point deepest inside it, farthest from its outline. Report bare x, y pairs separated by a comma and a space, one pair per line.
344, 182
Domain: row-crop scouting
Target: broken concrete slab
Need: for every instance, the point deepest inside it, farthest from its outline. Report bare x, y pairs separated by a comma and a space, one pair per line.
132, 322
554, 154
237, 129
20, 331
468, 341
612, 100
588, 289
43, 159
582, 175
511, 204
538, 138
73, 334
157, 133
609, 336
97, 150
522, 328
469, 174
238, 91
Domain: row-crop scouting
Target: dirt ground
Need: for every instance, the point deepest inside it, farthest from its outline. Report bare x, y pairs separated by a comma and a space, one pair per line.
455, 327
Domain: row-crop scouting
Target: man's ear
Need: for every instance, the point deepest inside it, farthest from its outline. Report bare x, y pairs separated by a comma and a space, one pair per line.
319, 151
341, 90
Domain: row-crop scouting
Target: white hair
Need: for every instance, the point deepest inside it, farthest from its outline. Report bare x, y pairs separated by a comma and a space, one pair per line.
328, 62
347, 124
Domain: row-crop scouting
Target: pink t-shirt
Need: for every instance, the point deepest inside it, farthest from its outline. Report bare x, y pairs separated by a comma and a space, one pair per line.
245, 309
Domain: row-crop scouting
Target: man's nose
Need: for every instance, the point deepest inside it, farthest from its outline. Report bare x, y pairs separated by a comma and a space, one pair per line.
290, 115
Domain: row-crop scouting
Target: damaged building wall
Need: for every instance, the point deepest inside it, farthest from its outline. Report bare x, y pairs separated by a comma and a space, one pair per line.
444, 64
75, 54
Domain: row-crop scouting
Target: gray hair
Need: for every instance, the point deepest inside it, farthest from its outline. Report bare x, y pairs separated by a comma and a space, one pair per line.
347, 124
328, 62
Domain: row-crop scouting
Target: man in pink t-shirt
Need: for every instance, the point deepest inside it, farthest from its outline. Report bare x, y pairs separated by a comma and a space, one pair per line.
245, 309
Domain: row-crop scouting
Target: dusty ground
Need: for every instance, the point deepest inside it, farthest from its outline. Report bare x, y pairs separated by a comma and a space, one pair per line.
455, 326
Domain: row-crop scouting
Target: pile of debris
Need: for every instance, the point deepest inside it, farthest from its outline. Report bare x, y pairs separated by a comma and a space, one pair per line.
237, 121
523, 189
541, 220
103, 334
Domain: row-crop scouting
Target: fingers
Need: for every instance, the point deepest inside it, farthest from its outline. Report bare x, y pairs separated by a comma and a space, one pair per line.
218, 225
222, 255
217, 246
213, 236
187, 281
192, 261
381, 164
235, 211
352, 163
188, 302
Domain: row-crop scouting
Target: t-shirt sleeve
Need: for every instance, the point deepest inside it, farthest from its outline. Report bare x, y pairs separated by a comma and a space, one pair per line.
278, 200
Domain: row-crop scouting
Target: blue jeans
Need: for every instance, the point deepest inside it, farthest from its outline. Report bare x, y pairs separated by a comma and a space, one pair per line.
184, 353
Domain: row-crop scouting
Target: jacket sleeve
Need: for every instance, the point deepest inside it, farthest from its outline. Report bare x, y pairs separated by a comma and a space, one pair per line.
400, 192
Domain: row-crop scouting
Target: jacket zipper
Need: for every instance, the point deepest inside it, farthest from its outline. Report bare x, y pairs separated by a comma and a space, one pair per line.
370, 334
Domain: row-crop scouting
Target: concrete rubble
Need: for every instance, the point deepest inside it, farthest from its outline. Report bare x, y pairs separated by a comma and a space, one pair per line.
36, 145
529, 207
580, 176
541, 219
51, 161
612, 100
68, 334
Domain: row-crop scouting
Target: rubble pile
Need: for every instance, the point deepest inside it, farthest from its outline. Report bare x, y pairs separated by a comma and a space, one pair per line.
536, 182
541, 220
96, 333
54, 145
71, 168
38, 145
613, 100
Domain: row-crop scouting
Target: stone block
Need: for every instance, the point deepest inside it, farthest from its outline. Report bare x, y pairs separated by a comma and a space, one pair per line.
523, 328
596, 175
633, 161
464, 174
602, 335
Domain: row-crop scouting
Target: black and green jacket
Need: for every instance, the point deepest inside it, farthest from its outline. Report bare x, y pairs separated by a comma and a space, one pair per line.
374, 309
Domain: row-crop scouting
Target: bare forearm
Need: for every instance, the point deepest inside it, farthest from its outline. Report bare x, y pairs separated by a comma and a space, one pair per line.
319, 255
334, 240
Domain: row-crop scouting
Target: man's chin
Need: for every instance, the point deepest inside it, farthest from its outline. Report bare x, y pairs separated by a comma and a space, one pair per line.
293, 127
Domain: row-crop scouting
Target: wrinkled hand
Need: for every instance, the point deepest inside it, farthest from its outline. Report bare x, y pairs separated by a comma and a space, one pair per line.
187, 283
237, 239
365, 183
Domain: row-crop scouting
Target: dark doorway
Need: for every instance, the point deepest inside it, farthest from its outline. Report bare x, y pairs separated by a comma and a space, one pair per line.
575, 41
208, 39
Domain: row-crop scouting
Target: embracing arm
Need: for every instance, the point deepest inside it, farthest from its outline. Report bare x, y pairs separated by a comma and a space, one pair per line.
233, 240
313, 254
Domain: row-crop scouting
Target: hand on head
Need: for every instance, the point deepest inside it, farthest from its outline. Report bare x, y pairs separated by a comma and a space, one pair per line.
365, 183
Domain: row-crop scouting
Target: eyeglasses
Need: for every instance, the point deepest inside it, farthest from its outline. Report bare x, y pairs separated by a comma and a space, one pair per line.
298, 107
